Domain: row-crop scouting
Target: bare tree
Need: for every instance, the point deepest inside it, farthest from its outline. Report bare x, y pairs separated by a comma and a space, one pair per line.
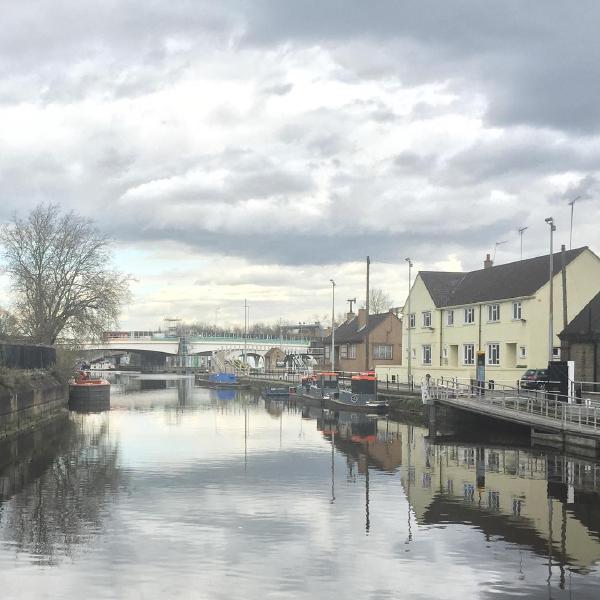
58, 266
8, 325
379, 301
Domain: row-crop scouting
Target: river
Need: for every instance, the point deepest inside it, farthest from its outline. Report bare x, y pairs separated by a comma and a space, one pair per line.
185, 492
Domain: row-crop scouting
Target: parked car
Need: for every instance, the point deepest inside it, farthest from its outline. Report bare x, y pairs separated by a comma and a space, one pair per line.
534, 379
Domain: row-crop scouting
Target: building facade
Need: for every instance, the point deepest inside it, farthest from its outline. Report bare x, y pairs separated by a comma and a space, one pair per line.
502, 311
382, 332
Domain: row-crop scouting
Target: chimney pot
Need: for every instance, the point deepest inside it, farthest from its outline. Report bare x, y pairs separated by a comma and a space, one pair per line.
488, 263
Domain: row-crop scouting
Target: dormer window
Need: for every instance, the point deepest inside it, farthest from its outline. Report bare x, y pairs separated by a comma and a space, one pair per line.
427, 318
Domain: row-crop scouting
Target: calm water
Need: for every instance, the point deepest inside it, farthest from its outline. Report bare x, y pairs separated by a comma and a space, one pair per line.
183, 492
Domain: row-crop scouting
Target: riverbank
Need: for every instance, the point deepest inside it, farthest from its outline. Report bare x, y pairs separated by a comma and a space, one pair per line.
29, 399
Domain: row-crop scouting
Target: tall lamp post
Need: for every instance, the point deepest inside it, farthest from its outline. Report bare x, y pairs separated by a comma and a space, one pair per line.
332, 324
521, 230
550, 221
408, 364
572, 205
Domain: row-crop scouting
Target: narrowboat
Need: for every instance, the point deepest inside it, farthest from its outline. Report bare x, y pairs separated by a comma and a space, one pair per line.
318, 387
277, 391
361, 395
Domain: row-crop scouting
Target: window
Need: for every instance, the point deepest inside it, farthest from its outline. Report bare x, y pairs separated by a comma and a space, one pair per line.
556, 353
469, 315
351, 350
344, 351
427, 318
382, 351
493, 312
450, 317
517, 311
493, 354
327, 351
411, 320
469, 354
427, 355
413, 353
522, 351
445, 353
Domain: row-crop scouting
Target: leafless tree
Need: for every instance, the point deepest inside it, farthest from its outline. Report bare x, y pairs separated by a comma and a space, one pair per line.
379, 301
58, 265
8, 325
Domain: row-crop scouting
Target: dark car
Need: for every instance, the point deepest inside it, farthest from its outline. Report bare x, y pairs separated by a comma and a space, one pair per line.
534, 379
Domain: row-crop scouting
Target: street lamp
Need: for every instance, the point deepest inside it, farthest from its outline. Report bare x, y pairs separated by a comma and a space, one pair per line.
408, 370
521, 230
550, 221
332, 324
572, 205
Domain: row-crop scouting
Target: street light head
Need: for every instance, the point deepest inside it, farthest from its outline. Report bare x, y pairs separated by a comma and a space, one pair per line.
550, 220
409, 261
332, 282
571, 202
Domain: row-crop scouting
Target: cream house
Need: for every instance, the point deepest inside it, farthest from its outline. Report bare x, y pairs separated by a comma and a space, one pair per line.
500, 310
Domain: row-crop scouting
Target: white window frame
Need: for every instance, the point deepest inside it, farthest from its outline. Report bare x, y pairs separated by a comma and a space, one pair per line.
449, 318
556, 353
412, 320
426, 318
472, 361
413, 355
522, 352
470, 310
344, 351
377, 352
493, 359
517, 311
351, 350
327, 352
424, 348
493, 313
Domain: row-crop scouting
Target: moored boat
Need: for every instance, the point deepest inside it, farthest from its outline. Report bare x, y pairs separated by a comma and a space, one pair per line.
318, 387
86, 394
277, 391
360, 396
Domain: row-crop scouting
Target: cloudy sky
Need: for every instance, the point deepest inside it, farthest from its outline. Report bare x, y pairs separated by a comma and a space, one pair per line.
255, 149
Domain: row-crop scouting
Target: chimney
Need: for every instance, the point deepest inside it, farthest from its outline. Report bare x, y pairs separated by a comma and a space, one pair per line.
362, 317
488, 263
349, 316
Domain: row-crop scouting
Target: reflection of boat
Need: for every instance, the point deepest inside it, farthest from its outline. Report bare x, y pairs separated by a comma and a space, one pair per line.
362, 395
225, 394
87, 394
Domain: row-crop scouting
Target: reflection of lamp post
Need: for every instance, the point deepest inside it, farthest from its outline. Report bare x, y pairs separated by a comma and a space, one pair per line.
332, 324
550, 221
408, 370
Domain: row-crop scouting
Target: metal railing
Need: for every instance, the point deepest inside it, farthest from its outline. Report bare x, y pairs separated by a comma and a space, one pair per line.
550, 406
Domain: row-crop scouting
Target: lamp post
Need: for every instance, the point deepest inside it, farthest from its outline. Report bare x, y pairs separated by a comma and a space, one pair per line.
245, 333
572, 205
521, 230
550, 221
408, 364
332, 324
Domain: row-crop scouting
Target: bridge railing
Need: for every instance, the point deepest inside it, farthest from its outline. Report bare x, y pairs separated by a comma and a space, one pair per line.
538, 403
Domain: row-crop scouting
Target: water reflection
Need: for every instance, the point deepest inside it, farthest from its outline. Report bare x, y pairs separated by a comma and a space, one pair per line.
55, 487
184, 491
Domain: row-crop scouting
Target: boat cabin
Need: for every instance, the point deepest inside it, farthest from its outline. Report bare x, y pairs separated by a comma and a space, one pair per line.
326, 381
363, 383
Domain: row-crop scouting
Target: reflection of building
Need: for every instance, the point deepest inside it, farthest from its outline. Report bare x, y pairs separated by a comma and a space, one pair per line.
525, 498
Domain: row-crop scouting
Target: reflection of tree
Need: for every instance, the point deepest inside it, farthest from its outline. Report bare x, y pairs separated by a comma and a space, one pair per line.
65, 489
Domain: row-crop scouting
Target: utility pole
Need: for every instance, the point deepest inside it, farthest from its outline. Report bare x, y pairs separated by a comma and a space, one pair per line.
564, 284
407, 319
332, 325
245, 332
521, 230
550, 221
367, 318
572, 205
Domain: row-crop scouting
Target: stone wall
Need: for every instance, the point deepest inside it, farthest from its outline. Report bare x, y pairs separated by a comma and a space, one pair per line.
28, 400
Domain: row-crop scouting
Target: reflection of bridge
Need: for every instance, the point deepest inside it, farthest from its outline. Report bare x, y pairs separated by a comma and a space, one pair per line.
231, 346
